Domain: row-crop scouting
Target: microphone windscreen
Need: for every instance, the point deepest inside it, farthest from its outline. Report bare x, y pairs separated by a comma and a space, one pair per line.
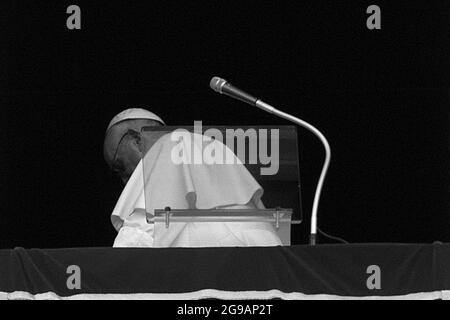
217, 83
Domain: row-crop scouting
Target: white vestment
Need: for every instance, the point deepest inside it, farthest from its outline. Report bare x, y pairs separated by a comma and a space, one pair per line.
188, 186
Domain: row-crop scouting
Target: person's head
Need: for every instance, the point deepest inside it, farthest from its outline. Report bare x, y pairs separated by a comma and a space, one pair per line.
122, 147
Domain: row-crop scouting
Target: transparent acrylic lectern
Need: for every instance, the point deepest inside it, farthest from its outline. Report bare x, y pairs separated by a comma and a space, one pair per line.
268, 154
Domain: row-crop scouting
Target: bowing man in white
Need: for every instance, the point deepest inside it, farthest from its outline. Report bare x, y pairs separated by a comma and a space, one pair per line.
178, 186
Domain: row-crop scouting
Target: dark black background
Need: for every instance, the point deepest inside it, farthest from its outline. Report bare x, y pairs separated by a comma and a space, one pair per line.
381, 97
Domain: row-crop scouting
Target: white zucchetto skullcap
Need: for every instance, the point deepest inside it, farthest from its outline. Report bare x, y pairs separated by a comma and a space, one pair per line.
134, 113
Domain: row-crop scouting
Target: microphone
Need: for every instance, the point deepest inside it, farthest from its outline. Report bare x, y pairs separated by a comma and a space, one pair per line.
223, 87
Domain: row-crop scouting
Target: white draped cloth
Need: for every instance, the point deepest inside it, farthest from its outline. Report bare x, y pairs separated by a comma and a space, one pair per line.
189, 185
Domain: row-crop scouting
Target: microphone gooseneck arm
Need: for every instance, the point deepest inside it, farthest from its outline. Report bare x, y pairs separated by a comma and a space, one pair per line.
223, 87
268, 108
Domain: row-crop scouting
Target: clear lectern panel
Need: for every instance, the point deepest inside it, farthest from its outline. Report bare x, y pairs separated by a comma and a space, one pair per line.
219, 168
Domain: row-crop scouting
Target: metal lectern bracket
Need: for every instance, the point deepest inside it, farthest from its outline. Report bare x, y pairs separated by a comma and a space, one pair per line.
167, 210
277, 218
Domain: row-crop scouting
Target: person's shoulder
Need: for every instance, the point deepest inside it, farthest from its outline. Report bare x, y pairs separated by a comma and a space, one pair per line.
178, 135
174, 137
